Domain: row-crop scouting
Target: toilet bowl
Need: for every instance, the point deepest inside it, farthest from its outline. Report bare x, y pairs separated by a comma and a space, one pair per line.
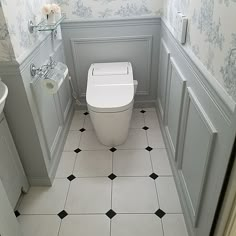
110, 99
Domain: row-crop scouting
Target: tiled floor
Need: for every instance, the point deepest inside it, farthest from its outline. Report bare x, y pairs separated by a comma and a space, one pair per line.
101, 191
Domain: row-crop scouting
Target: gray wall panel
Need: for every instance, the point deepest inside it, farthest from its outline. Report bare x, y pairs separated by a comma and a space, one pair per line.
162, 79
202, 155
135, 40
174, 102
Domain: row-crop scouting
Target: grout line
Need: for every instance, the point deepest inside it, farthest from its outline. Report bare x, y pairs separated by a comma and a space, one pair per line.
110, 227
118, 149
103, 214
112, 169
67, 193
59, 228
158, 201
118, 176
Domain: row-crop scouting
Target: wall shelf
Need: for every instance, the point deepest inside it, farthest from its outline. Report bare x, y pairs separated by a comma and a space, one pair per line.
44, 26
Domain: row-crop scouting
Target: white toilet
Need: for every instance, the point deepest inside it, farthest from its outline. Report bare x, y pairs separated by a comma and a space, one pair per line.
110, 98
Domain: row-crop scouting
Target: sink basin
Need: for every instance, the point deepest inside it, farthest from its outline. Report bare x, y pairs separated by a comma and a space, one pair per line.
3, 95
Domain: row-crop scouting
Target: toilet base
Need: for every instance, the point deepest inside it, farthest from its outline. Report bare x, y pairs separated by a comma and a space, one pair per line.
111, 128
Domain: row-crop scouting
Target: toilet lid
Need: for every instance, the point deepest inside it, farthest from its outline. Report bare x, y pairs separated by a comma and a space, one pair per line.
110, 87
118, 68
110, 98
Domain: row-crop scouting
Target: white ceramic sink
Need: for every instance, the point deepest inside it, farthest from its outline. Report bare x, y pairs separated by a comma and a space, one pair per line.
3, 95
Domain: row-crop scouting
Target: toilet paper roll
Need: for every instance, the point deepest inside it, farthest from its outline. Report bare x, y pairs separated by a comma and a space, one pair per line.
53, 83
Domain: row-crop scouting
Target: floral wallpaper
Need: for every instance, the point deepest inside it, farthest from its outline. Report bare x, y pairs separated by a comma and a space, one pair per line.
17, 13
6, 50
211, 35
88, 9
14, 28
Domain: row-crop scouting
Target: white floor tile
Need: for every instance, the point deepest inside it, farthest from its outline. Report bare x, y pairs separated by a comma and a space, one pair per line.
37, 225
86, 225
137, 121
93, 163
45, 200
151, 109
132, 163
160, 162
77, 121
136, 225
89, 195
155, 139
174, 224
167, 194
66, 164
72, 141
151, 119
87, 123
134, 195
137, 139
81, 112
89, 141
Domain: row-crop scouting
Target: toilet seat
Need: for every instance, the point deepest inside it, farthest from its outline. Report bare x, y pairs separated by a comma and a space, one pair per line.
110, 87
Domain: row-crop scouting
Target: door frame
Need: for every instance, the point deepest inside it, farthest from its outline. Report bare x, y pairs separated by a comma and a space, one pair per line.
225, 217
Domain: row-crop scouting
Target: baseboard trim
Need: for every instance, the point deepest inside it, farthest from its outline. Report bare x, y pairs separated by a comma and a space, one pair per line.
39, 181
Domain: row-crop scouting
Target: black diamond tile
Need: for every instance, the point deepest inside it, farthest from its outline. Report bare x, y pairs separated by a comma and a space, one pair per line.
77, 150
149, 149
112, 176
86, 113
142, 111
71, 177
62, 214
145, 128
17, 213
111, 214
113, 149
82, 130
153, 176
160, 213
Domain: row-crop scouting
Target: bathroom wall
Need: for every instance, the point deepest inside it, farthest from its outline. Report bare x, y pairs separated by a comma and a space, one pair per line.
211, 36
6, 51
17, 13
93, 9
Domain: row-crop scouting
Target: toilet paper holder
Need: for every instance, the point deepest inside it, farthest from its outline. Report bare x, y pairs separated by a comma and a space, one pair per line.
43, 70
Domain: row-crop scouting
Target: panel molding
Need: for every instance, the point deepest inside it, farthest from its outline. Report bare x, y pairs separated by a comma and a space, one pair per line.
119, 22
190, 97
174, 66
225, 104
76, 42
164, 47
50, 150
